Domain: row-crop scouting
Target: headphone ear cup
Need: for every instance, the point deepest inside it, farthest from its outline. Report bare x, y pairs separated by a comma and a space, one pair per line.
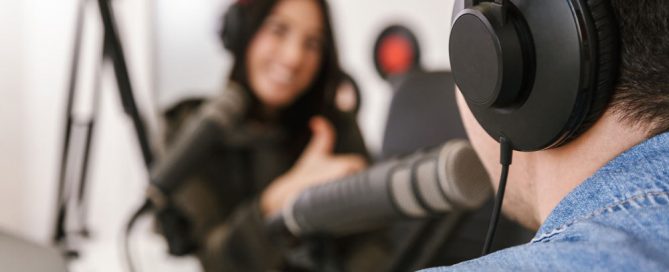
570, 84
230, 32
608, 58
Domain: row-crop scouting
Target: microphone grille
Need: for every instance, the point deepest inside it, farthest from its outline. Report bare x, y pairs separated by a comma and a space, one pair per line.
463, 178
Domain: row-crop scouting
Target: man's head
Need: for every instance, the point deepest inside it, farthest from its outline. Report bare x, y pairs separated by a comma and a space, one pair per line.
639, 109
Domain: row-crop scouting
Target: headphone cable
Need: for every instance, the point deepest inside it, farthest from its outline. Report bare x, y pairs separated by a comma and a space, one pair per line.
127, 254
505, 159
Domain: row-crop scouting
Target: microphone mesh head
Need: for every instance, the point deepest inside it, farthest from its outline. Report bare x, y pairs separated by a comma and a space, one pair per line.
464, 180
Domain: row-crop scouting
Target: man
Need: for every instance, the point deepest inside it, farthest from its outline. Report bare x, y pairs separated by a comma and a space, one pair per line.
600, 202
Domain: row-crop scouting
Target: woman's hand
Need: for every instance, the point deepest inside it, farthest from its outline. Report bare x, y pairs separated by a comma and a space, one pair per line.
316, 165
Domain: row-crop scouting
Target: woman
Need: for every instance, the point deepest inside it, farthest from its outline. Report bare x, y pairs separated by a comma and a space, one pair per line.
286, 62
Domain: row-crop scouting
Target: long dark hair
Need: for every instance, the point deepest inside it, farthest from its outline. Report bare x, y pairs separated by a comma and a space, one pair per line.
318, 99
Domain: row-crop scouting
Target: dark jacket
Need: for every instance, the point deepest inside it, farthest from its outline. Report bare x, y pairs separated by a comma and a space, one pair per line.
221, 200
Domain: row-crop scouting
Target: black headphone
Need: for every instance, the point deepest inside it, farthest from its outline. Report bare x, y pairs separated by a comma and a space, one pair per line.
536, 73
234, 26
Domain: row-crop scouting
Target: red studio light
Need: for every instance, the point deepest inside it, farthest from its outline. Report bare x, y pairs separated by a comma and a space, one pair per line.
396, 51
395, 54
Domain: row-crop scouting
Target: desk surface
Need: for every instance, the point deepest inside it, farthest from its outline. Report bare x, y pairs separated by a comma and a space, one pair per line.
20, 255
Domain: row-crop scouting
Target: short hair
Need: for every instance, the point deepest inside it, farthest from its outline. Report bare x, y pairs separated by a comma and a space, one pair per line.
641, 96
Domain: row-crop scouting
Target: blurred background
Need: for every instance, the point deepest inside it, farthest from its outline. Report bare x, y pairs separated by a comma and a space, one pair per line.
173, 53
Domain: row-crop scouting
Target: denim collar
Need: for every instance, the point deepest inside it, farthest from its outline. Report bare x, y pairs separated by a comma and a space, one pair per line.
638, 172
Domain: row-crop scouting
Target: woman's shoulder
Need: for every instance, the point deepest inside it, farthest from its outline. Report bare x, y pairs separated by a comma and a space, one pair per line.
179, 114
184, 107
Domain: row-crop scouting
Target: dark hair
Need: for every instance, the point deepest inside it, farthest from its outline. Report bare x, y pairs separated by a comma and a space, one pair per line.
641, 97
318, 98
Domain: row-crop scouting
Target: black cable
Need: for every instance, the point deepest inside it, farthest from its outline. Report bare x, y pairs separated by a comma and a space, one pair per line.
506, 154
147, 206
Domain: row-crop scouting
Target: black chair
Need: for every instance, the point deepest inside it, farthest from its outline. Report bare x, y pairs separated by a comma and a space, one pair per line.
423, 113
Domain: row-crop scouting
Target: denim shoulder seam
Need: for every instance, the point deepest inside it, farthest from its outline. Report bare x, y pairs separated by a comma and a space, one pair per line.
602, 211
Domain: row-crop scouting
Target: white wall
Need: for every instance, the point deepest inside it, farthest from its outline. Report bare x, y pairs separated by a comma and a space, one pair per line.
11, 136
190, 60
31, 92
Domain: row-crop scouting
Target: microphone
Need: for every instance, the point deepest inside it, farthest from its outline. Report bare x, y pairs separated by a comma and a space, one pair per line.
194, 144
429, 182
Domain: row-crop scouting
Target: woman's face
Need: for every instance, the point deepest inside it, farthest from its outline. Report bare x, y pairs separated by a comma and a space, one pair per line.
285, 54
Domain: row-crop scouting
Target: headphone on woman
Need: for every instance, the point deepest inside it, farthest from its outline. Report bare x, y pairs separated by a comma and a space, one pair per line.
234, 27
536, 73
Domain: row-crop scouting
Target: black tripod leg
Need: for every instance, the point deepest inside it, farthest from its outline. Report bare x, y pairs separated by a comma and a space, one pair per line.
59, 232
82, 202
114, 50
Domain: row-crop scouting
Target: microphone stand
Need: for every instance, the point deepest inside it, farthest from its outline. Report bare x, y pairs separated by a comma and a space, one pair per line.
112, 51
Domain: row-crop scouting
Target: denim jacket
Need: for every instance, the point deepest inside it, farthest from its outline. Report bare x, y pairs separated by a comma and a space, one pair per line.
617, 220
